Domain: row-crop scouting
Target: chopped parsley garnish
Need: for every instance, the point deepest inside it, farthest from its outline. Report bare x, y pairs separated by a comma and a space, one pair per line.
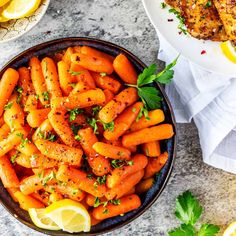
181, 25
45, 96
93, 122
115, 201
8, 105
13, 158
47, 136
103, 74
101, 179
143, 112
19, 90
105, 211
108, 126
77, 137
75, 72
120, 163
75, 128
48, 178
163, 5
95, 110
208, 4
73, 113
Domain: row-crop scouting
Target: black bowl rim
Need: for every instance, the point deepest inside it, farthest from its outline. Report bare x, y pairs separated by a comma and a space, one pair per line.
112, 45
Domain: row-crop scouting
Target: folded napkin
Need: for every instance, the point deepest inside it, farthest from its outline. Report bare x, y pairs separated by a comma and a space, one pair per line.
210, 100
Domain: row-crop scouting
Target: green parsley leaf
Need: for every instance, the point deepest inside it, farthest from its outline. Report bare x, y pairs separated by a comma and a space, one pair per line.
103, 74
47, 136
89, 176
73, 85
73, 113
96, 202
45, 96
101, 179
117, 163
77, 137
37, 97
143, 112
163, 5
188, 210
181, 25
208, 4
75, 128
109, 126
23, 142
115, 201
147, 76
130, 163
105, 211
75, 72
33, 157
93, 122
208, 230
183, 230
13, 158
95, 110
75, 191
49, 177
19, 90
134, 109
8, 105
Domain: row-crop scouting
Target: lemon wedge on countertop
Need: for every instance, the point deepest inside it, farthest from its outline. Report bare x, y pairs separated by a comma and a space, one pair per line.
231, 230
229, 50
3, 2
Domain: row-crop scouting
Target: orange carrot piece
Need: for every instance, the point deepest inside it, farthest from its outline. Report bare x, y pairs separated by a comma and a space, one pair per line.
90, 199
113, 108
23, 160
4, 131
127, 203
55, 197
155, 117
36, 117
44, 129
108, 97
28, 148
40, 161
43, 198
155, 165
7, 173
131, 191
31, 103
152, 149
94, 221
125, 69
144, 185
67, 56
79, 120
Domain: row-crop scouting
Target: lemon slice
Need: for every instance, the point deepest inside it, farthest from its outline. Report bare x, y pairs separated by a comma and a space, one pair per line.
20, 8
229, 50
231, 230
41, 220
2, 18
3, 2
69, 215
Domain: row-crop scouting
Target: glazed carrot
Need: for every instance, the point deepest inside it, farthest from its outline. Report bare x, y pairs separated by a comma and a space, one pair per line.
125, 186
67, 56
118, 104
127, 204
43, 198
23, 160
90, 199
111, 151
43, 129
86, 99
155, 117
36, 117
7, 173
106, 82
7, 85
76, 48
40, 161
65, 77
99, 164
133, 148
74, 67
14, 115
152, 149
54, 197
93, 52
93, 63
123, 122
62, 173
12, 140
84, 182
155, 165
28, 148
4, 131
60, 152
79, 120
12, 192
108, 97
38, 80
51, 77
61, 126
144, 185
93, 220
131, 191
125, 69
31, 103
139, 162
27, 202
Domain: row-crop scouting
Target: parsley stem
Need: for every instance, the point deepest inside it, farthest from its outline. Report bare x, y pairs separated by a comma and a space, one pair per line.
132, 85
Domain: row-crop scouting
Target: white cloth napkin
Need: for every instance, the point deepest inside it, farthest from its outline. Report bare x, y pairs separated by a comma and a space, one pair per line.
210, 100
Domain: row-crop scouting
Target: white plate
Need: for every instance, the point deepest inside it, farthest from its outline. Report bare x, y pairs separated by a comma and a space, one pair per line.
189, 47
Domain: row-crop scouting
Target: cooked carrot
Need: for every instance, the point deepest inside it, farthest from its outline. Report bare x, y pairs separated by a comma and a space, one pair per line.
126, 204
125, 69
93, 220
43, 198
144, 185
123, 122
99, 164
139, 162
76, 48
155, 117
131, 191
113, 108
36, 117
51, 77
23, 160
44, 129
7, 85
82, 100
111, 151
62, 173
67, 56
4, 131
93, 63
93, 52
125, 186
40, 161
74, 67
155, 165
133, 148
106, 82
152, 149
54, 197
28, 148
90, 199
31, 103
7, 173
27, 202
12, 192
108, 97
159, 132
38, 80
61, 126
60, 152
79, 120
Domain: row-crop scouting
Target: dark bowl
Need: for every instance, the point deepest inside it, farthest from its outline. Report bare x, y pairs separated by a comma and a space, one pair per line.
148, 198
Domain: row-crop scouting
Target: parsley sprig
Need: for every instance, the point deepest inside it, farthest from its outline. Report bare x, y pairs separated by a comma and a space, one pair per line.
188, 210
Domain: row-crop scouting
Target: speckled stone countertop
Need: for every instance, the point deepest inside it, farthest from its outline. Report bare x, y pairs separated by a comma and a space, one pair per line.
125, 23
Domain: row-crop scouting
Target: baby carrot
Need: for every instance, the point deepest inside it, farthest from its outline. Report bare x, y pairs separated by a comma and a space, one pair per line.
51, 77
93, 220
60, 152
131, 191
125, 186
111, 151
7, 85
155, 117
40, 161
155, 165
152, 149
125, 69
159, 132
23, 160
4, 131
44, 129
108, 97
38, 80
126, 204
67, 56
7, 173
31, 103
139, 162
36, 117
93, 63
144, 185
123, 122
28, 148
118, 104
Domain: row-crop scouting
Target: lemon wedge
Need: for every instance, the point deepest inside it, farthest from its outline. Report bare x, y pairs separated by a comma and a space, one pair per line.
41, 220
69, 215
231, 230
20, 8
2, 18
229, 50
3, 2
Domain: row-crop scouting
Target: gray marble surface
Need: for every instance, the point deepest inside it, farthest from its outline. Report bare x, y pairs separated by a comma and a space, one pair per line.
124, 22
